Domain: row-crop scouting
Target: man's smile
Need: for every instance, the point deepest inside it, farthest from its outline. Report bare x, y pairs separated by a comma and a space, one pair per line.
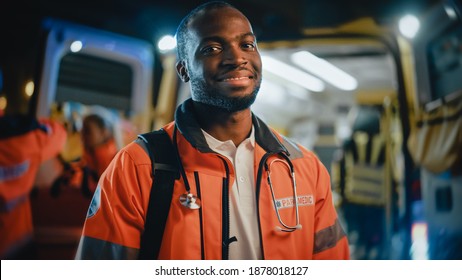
237, 79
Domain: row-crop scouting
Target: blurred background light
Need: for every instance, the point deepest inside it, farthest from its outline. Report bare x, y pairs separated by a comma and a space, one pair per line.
324, 70
409, 26
166, 43
3, 103
292, 74
76, 46
29, 88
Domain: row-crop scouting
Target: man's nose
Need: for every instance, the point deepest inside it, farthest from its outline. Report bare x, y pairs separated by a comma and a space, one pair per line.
234, 56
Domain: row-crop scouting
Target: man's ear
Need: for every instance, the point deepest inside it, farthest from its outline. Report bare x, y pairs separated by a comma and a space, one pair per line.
182, 71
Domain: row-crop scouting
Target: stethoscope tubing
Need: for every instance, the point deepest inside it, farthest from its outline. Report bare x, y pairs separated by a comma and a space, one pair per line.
288, 163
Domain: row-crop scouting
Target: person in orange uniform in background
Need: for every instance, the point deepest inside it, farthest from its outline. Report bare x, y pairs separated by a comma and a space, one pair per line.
25, 143
99, 149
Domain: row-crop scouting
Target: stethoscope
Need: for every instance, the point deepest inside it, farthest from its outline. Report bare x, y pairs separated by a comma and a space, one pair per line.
290, 168
188, 199
191, 201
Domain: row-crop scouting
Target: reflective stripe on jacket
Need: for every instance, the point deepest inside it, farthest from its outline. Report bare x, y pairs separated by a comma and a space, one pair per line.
116, 217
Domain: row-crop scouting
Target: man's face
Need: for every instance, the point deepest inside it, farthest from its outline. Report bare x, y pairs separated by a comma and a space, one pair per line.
223, 62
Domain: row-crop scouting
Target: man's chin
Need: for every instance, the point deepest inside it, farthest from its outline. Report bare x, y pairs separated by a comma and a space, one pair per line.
228, 104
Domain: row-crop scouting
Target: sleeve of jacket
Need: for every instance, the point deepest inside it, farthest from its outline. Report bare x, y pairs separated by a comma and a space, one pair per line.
52, 138
330, 240
115, 219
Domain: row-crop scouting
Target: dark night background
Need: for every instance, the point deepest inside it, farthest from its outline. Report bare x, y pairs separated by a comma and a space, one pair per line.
150, 19
21, 39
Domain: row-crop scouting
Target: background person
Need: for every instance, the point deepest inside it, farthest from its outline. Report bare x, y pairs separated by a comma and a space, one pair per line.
25, 143
99, 149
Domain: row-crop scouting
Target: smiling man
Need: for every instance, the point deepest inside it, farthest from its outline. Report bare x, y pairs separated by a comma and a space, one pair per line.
218, 54
245, 191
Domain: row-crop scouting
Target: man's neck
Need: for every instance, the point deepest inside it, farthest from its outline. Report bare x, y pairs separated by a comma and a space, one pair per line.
222, 125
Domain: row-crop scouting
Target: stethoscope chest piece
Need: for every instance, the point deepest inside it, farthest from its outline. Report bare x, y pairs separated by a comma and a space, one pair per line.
190, 201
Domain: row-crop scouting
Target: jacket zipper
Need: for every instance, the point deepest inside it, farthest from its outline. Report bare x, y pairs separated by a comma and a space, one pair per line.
198, 188
225, 213
258, 186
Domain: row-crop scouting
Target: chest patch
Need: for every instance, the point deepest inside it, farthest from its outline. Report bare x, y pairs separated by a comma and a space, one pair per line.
288, 202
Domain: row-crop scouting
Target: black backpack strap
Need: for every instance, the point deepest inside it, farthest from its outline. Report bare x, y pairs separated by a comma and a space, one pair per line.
164, 173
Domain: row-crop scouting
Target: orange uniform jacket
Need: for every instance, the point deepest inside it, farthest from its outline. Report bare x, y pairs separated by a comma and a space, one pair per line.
24, 144
99, 158
95, 162
116, 216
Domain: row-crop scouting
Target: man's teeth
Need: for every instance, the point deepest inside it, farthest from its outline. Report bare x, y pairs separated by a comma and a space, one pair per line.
235, 79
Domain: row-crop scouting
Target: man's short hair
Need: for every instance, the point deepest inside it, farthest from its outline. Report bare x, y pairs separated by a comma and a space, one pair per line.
182, 30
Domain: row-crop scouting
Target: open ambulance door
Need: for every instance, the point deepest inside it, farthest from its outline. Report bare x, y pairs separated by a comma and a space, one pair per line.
435, 141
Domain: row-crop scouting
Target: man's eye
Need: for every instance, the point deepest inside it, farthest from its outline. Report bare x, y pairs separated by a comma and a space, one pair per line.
210, 50
249, 46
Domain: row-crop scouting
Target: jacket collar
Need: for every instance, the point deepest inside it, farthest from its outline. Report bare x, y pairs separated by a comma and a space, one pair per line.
187, 125
15, 125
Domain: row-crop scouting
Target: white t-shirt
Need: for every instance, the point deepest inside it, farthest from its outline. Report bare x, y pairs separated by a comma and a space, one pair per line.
243, 207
